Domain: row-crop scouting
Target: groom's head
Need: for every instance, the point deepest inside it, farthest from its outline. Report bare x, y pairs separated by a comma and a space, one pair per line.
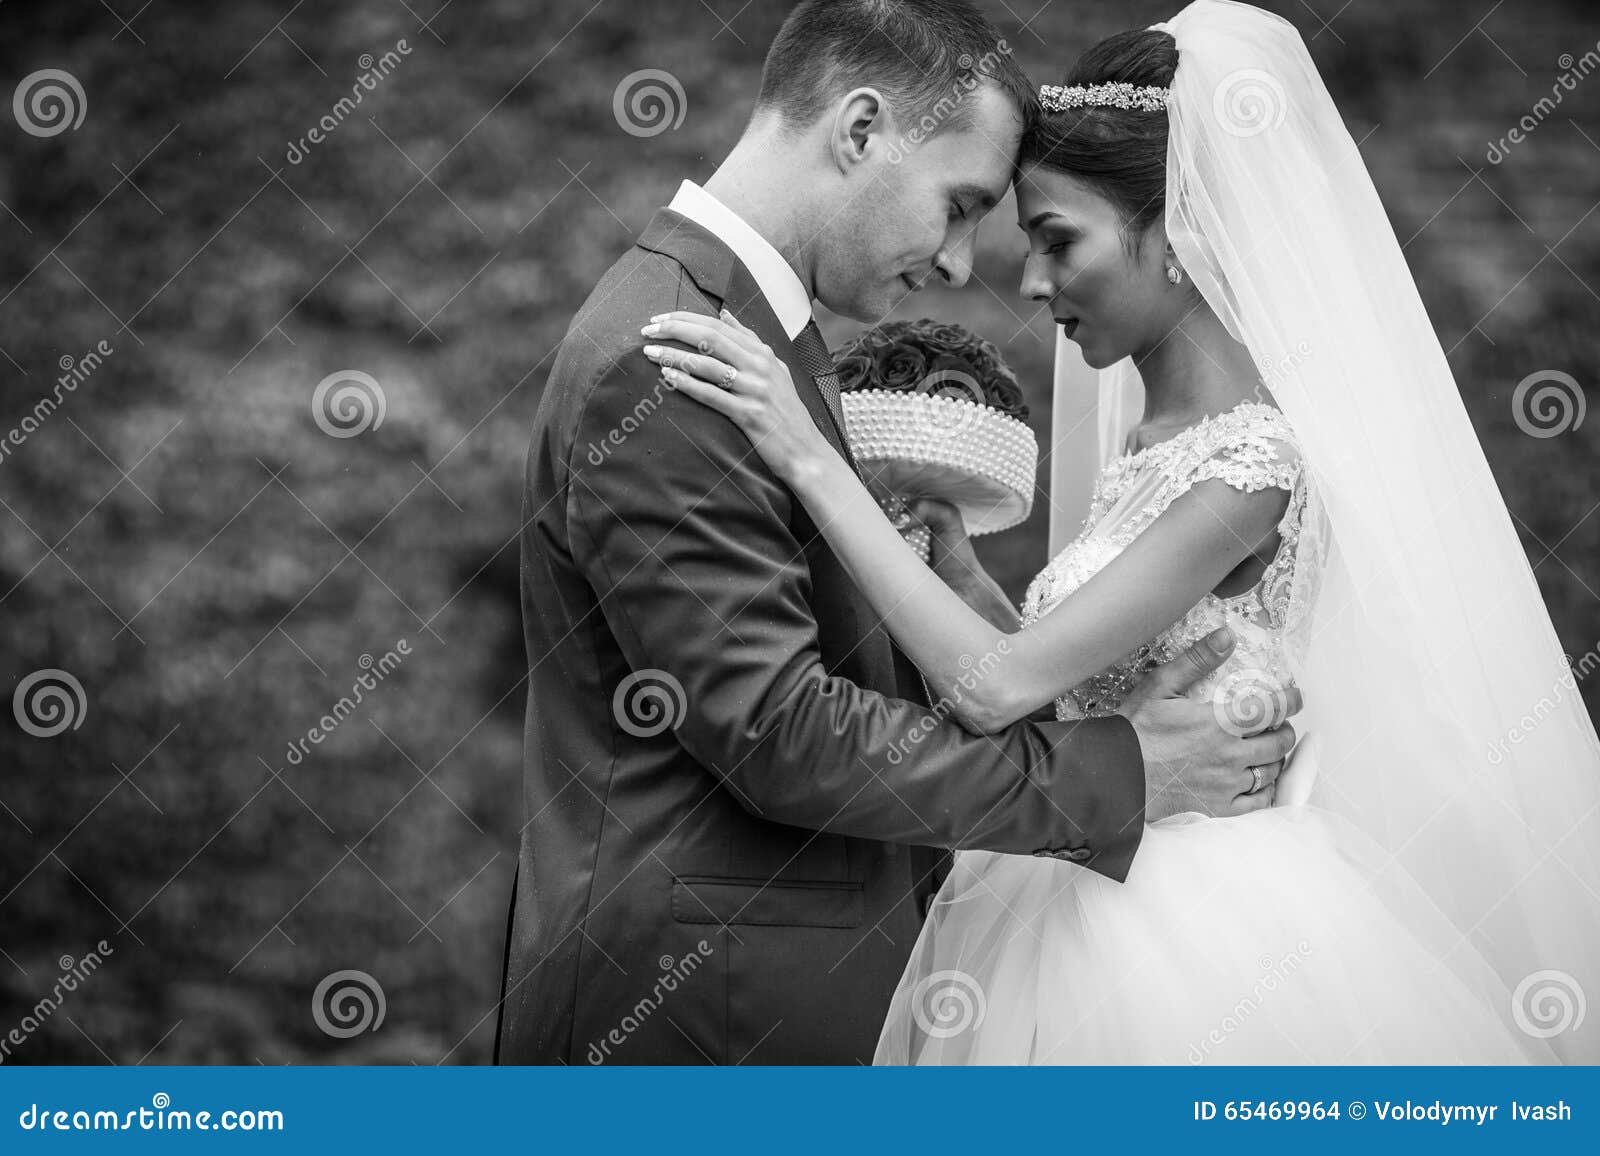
900, 121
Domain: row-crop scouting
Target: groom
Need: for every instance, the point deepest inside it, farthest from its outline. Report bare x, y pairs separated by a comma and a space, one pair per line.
737, 796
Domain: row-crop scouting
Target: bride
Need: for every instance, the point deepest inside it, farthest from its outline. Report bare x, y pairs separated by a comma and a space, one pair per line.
1301, 471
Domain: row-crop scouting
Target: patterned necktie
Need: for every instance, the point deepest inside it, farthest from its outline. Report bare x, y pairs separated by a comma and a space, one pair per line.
818, 361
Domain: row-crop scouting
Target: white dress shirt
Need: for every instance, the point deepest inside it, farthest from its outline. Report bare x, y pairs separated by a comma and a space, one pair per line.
778, 282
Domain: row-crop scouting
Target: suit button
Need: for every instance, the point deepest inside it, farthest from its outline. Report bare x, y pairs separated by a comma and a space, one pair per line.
1075, 855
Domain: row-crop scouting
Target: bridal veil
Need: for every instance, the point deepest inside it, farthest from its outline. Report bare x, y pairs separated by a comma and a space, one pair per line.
1441, 718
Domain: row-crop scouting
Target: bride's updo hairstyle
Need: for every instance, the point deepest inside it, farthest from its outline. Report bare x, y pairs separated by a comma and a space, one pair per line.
1120, 153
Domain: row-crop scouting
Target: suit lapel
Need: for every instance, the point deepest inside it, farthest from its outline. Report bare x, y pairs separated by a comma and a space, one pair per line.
720, 274
751, 307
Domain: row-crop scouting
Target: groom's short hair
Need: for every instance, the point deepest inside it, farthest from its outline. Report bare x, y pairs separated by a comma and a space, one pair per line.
923, 55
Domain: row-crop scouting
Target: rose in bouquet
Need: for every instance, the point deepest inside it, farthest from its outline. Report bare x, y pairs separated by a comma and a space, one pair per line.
931, 357
934, 411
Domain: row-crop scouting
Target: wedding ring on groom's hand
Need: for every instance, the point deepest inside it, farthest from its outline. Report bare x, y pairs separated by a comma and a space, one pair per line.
1255, 773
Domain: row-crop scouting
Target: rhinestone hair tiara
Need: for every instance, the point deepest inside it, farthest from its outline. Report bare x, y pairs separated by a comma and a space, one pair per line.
1147, 98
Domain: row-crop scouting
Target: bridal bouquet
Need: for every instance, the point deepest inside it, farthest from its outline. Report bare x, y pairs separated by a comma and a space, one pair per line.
933, 411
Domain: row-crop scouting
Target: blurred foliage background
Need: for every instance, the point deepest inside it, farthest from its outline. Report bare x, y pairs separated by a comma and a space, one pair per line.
212, 567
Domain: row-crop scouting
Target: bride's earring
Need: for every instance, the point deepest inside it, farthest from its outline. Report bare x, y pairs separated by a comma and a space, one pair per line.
1174, 275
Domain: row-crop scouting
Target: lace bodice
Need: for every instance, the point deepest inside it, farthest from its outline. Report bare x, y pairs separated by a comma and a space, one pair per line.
1250, 447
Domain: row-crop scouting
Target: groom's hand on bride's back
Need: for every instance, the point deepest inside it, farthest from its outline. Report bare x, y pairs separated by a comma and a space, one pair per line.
1191, 762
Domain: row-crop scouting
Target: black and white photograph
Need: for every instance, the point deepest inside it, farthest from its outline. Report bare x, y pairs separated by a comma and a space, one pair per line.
838, 533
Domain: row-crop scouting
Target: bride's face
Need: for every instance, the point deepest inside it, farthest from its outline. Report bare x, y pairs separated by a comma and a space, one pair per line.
1107, 291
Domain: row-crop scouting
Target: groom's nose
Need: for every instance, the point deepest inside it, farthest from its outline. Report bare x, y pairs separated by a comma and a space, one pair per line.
954, 262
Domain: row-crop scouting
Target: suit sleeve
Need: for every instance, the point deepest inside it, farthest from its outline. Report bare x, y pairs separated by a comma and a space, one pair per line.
686, 538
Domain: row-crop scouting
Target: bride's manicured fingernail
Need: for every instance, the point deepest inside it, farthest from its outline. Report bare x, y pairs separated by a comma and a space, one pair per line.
651, 330
652, 351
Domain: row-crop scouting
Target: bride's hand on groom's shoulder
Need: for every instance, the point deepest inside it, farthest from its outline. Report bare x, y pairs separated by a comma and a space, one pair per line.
1192, 762
721, 364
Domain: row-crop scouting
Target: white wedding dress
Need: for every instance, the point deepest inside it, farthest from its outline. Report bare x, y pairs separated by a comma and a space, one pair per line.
1281, 937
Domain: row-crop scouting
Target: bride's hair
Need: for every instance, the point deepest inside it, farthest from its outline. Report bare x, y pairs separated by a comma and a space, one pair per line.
1120, 153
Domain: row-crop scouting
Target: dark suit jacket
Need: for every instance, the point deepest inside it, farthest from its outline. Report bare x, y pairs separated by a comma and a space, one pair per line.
746, 883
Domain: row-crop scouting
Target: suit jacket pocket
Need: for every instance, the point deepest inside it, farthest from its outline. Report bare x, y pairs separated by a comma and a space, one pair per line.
778, 902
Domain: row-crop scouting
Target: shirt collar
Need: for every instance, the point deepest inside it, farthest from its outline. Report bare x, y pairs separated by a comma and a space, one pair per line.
778, 282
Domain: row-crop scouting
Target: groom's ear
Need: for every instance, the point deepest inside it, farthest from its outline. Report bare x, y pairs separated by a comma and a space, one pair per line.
863, 123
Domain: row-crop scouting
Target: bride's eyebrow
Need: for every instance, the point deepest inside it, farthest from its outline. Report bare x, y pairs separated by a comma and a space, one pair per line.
1038, 219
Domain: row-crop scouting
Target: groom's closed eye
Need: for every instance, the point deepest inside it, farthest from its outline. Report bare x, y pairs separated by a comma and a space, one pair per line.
969, 198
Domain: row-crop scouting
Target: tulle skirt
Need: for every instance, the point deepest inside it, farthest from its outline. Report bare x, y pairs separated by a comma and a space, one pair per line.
1279, 937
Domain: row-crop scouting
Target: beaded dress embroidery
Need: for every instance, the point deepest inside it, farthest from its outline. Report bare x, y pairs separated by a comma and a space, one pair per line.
1250, 447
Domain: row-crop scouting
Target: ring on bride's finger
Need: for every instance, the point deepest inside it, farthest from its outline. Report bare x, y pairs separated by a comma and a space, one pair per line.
727, 378
1255, 773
